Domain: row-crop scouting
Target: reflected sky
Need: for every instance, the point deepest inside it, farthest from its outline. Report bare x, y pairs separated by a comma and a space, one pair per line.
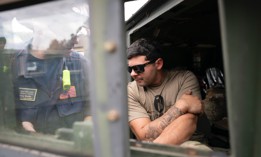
43, 22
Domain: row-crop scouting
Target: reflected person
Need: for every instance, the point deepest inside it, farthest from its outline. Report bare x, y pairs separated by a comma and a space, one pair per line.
50, 86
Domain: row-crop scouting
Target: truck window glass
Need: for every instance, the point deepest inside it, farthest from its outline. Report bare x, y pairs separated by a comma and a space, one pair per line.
44, 80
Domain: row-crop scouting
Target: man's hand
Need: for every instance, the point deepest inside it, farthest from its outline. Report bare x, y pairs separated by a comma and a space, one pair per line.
28, 126
190, 104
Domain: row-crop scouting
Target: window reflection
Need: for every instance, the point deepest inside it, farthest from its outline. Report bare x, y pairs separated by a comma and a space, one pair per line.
46, 67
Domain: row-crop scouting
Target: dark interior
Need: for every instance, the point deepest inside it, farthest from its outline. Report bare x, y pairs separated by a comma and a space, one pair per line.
189, 34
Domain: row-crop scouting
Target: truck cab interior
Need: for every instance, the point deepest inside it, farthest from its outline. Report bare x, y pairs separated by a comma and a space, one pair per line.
189, 33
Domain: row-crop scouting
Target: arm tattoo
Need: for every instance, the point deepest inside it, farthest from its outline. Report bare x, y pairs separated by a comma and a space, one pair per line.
152, 133
154, 130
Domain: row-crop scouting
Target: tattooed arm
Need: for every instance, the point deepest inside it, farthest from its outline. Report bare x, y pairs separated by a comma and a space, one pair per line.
172, 127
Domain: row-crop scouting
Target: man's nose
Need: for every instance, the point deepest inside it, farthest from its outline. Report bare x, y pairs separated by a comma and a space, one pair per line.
133, 73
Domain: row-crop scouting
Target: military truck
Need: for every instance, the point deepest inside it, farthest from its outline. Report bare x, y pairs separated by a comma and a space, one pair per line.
216, 39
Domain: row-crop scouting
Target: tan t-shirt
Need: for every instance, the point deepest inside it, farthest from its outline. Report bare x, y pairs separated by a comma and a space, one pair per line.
176, 83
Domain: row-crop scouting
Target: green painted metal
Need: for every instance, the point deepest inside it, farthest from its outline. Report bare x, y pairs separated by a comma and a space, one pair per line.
240, 26
69, 142
108, 87
144, 149
83, 137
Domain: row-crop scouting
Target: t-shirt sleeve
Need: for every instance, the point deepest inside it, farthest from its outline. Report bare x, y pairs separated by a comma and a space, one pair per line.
189, 82
135, 109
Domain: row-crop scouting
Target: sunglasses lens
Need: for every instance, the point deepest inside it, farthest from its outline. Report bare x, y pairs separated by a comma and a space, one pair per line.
159, 103
129, 69
137, 68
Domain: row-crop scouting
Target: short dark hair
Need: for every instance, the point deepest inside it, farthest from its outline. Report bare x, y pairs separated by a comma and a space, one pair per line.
144, 47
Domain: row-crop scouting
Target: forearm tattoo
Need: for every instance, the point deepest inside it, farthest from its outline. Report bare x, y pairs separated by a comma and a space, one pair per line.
155, 129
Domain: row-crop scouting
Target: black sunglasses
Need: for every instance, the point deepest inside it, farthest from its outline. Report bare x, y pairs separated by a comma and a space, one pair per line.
139, 68
159, 103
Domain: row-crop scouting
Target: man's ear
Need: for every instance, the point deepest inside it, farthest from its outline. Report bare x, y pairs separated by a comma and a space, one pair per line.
159, 63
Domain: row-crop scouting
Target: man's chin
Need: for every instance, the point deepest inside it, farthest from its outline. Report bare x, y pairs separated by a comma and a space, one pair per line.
140, 82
